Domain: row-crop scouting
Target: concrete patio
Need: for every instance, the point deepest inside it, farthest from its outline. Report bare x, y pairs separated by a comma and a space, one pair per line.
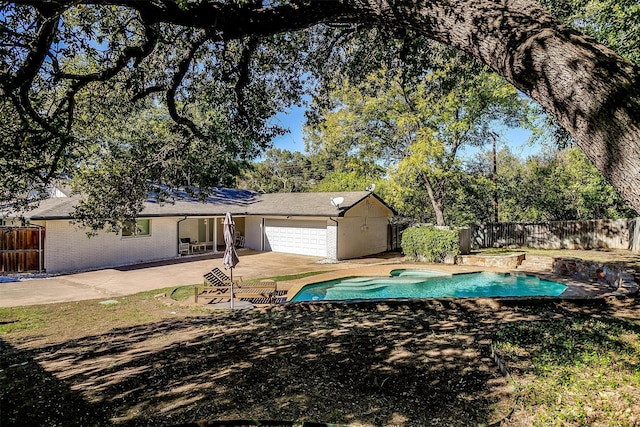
115, 282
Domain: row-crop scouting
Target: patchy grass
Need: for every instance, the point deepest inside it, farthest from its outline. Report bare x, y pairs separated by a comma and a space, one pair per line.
62, 321
24, 319
575, 371
406, 363
183, 292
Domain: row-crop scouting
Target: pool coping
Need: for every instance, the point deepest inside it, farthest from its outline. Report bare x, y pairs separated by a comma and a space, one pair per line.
576, 288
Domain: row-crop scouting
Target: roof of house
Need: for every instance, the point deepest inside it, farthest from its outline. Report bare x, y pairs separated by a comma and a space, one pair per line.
223, 200
309, 204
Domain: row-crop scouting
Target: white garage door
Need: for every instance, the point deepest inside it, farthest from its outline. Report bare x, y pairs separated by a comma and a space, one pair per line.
296, 237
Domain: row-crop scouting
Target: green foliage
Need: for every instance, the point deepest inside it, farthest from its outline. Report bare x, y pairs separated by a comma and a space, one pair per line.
188, 112
414, 119
285, 171
577, 371
611, 22
347, 181
145, 157
128, 106
182, 293
555, 185
430, 244
281, 171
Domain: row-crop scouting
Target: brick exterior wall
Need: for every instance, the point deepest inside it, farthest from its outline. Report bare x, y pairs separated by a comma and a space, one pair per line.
68, 248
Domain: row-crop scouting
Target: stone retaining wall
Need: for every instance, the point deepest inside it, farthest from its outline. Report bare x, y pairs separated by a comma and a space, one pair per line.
620, 280
501, 261
617, 277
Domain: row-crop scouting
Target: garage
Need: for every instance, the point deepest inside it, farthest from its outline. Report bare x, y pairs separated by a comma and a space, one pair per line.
302, 237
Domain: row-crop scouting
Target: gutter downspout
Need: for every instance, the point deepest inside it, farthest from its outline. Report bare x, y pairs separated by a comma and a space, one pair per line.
337, 234
262, 231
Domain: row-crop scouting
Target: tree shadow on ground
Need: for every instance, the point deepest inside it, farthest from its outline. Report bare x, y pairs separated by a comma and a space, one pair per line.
32, 396
375, 363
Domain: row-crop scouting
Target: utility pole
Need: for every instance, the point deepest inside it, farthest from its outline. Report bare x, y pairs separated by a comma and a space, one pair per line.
495, 178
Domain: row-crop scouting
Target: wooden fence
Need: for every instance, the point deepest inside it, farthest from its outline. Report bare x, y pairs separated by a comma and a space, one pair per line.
595, 234
21, 249
394, 236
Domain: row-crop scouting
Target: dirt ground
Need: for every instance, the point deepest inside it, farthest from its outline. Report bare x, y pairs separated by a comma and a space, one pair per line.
404, 363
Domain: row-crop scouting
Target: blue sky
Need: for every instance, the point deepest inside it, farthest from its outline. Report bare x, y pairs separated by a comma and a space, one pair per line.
294, 119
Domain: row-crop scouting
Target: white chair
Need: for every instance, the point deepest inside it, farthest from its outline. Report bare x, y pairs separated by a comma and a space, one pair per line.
184, 247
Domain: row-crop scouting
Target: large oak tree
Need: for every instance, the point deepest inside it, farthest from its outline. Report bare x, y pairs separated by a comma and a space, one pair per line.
592, 91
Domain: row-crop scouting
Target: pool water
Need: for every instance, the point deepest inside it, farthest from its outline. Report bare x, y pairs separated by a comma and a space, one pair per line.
429, 284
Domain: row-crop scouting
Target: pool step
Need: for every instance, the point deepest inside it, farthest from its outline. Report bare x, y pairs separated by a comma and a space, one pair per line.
358, 287
538, 263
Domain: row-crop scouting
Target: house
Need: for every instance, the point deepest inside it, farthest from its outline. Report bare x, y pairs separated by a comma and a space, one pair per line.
329, 225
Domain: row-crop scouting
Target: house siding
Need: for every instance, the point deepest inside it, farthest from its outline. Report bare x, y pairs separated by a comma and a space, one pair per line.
355, 239
363, 230
67, 248
253, 233
332, 240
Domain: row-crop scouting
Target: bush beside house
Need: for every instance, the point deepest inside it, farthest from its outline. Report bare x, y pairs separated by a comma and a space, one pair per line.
427, 243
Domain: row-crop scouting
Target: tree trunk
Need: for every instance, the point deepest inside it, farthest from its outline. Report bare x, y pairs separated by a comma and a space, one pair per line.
436, 202
495, 178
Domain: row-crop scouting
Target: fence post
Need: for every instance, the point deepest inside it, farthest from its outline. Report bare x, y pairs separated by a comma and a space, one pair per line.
634, 235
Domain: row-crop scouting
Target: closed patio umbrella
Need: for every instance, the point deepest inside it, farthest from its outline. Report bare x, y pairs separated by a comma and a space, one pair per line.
230, 258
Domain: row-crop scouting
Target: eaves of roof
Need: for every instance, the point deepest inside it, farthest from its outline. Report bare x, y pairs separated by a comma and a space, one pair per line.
253, 204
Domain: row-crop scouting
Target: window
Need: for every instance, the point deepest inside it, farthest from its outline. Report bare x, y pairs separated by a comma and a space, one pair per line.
141, 227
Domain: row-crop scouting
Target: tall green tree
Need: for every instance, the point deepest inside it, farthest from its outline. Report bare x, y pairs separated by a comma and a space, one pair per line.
416, 126
553, 185
572, 188
123, 132
174, 52
281, 171
284, 171
348, 174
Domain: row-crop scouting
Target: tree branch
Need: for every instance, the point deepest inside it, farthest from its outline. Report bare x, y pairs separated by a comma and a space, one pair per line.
199, 39
591, 90
138, 52
243, 77
148, 91
38, 52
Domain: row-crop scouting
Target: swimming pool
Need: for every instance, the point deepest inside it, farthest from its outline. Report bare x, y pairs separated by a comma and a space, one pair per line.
429, 284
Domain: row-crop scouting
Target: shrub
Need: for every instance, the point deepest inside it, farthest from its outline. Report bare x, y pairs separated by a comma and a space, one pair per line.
430, 244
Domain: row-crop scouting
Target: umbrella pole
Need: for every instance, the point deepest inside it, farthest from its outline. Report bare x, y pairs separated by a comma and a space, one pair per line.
232, 288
